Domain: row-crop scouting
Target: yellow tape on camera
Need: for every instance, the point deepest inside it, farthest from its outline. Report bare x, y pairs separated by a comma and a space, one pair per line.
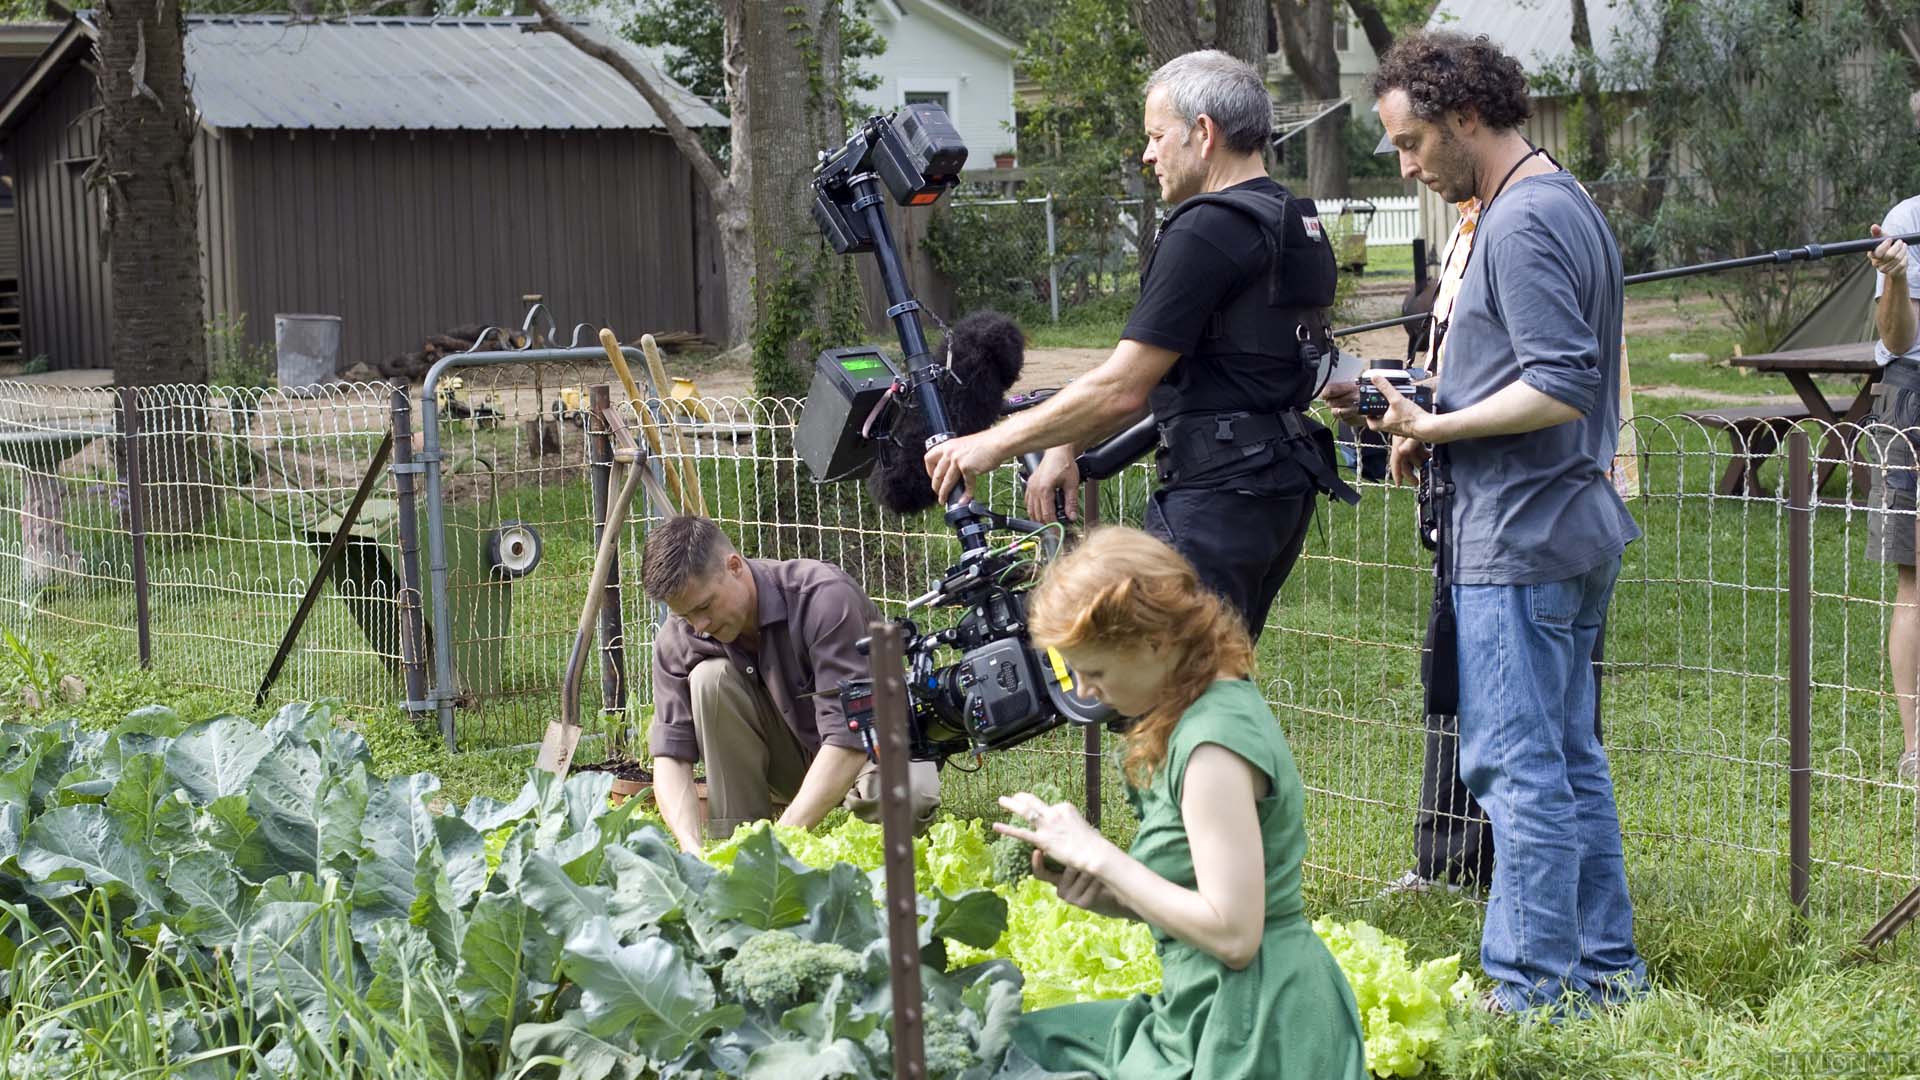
1060, 669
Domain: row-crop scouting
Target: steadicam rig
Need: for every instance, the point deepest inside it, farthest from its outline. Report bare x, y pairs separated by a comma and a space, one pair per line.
1000, 691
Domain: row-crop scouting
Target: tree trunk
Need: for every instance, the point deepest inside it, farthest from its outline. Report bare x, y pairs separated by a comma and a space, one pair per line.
1663, 131
807, 296
1240, 29
1374, 24
726, 190
1306, 40
1170, 28
1174, 27
145, 177
1593, 121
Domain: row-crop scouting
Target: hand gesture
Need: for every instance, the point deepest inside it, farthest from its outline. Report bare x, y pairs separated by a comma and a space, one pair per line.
1403, 417
1056, 830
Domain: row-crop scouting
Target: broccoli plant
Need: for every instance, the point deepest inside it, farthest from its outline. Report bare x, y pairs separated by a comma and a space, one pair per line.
782, 968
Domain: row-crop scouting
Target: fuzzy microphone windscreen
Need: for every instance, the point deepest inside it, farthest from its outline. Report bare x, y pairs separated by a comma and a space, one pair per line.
988, 350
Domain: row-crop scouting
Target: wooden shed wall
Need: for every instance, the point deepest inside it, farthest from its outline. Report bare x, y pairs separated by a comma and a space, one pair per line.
65, 295
65, 308
404, 235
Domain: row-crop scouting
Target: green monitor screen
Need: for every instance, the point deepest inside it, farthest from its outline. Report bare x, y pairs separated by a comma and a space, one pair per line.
864, 367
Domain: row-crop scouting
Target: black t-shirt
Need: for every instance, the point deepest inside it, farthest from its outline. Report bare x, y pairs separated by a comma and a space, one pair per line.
1202, 261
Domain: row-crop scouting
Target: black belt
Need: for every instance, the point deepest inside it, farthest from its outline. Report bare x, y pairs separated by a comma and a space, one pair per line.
1199, 444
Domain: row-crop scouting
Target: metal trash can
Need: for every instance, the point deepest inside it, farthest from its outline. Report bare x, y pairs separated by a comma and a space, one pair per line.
306, 350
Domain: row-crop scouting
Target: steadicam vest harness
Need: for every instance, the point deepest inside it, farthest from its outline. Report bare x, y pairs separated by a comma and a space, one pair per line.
1204, 428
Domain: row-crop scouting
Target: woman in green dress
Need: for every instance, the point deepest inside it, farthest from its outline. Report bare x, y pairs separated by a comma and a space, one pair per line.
1249, 990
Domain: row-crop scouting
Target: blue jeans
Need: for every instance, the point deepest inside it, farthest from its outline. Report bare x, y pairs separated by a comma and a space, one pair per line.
1559, 921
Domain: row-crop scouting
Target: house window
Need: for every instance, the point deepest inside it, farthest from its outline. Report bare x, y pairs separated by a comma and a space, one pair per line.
1340, 32
930, 97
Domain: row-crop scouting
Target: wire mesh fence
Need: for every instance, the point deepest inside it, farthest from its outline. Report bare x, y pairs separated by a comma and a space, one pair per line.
1043, 257
243, 490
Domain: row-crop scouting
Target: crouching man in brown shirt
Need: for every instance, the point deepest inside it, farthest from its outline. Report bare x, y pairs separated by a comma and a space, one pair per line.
744, 674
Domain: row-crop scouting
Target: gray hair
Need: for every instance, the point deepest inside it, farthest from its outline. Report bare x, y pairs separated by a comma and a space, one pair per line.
1226, 89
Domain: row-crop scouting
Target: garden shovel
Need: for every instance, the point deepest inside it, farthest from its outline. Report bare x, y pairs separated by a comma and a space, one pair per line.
563, 735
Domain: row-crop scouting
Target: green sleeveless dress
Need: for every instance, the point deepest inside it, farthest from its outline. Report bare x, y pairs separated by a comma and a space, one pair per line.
1289, 1015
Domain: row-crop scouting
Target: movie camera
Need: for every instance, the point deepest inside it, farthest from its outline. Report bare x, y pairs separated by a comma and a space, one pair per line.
1000, 690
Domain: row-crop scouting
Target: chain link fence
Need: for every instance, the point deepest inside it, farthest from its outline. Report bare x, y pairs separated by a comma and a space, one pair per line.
1748, 693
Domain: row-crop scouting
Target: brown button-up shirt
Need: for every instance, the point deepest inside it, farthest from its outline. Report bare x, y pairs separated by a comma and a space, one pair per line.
811, 613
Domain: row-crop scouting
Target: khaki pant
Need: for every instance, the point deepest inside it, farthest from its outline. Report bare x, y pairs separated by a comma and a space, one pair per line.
753, 757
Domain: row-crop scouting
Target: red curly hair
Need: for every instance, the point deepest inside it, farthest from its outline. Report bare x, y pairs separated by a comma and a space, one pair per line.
1122, 588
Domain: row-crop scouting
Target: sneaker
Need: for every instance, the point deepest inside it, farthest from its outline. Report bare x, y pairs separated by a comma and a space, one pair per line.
1909, 767
1490, 1002
1411, 883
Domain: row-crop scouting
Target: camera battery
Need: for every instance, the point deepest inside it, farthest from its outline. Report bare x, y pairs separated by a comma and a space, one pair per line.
847, 384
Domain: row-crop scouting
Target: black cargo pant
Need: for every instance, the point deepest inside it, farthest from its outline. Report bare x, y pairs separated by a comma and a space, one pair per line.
1452, 839
1243, 545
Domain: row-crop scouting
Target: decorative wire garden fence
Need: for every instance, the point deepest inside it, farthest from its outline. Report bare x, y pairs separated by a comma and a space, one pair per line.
1748, 702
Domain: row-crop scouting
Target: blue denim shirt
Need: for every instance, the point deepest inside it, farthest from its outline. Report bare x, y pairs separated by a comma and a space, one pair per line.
1540, 303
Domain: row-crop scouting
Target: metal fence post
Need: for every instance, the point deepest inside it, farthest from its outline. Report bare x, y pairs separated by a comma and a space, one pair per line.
613, 661
1090, 745
413, 626
136, 519
1053, 264
1800, 669
896, 824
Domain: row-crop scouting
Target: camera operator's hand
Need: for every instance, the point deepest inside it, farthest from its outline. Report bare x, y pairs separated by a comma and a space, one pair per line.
1403, 417
1058, 473
1890, 257
1344, 399
1405, 459
953, 464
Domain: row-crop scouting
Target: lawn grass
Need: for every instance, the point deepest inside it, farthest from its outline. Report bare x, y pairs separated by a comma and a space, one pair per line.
1696, 710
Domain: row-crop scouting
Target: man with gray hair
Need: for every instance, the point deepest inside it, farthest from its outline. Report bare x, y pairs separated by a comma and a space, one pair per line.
1224, 347
745, 678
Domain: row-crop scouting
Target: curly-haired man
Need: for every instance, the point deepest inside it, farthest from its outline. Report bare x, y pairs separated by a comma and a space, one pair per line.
1523, 430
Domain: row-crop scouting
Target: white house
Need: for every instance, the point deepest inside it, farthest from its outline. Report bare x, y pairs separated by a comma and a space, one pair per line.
1357, 61
934, 52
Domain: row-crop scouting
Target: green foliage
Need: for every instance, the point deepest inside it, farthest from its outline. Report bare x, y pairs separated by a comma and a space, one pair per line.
1406, 1010
26, 666
1082, 135
253, 896
692, 35
1794, 128
234, 361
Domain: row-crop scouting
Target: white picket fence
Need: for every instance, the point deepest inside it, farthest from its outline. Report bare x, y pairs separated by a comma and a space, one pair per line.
1395, 220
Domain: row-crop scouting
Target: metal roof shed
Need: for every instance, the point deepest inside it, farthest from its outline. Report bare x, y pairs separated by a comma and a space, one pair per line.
408, 175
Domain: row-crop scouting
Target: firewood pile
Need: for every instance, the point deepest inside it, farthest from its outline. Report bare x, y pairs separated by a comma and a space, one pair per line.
413, 366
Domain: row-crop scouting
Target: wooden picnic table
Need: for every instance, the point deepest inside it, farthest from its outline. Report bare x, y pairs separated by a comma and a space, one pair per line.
1801, 366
